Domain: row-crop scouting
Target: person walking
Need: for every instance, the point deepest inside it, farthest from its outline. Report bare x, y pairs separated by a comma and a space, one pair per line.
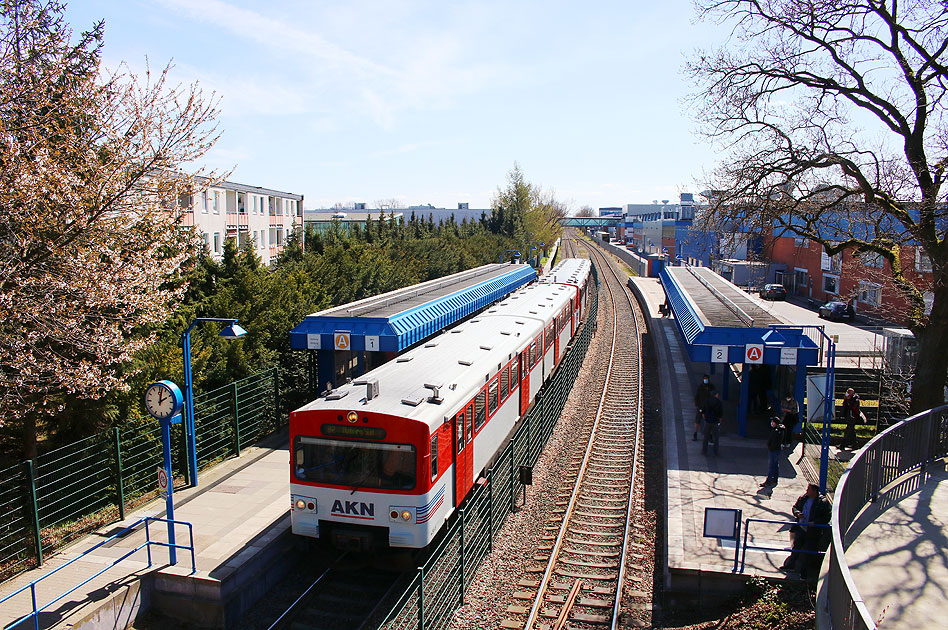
851, 413
701, 399
810, 509
791, 415
774, 441
712, 422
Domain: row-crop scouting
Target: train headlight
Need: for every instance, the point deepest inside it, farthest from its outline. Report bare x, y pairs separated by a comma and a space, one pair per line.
401, 514
303, 504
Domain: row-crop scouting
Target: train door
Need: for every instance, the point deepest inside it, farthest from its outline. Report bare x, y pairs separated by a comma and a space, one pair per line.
524, 380
464, 454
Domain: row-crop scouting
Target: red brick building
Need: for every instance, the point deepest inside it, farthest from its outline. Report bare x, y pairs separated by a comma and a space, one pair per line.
865, 280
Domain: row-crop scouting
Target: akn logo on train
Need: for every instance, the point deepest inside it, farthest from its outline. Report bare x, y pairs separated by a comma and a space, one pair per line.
355, 509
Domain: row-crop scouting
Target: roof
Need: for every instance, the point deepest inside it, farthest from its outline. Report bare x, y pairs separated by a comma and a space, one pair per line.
711, 312
569, 270
396, 320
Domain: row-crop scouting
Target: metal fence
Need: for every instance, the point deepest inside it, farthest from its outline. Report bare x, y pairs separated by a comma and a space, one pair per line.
439, 585
890, 462
68, 492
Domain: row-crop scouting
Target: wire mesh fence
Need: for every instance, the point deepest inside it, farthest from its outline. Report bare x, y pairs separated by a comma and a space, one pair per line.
438, 587
72, 490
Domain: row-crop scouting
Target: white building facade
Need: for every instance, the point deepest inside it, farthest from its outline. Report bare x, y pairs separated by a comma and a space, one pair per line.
251, 214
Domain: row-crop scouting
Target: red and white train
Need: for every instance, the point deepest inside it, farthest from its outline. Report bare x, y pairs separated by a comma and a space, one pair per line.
386, 459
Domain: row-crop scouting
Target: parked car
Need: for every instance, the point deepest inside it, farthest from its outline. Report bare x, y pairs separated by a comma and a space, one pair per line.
773, 292
837, 311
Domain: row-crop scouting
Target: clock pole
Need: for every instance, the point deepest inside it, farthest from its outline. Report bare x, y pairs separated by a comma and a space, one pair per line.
169, 500
163, 401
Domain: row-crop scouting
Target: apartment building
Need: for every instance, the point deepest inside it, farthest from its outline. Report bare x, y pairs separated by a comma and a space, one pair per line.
249, 214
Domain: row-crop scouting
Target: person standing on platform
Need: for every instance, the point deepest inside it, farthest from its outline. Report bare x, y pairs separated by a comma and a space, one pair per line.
851, 413
701, 399
712, 422
812, 508
791, 415
774, 441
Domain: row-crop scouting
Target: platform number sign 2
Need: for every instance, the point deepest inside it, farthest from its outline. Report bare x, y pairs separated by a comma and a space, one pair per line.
719, 354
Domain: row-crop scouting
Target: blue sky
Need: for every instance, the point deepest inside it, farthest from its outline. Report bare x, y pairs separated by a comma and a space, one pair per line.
431, 101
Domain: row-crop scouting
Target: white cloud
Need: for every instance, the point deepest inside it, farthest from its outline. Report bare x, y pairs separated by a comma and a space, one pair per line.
430, 68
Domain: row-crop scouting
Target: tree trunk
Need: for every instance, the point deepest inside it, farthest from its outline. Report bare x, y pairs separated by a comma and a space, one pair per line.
928, 387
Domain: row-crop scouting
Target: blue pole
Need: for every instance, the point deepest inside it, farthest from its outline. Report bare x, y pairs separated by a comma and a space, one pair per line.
829, 408
169, 501
189, 407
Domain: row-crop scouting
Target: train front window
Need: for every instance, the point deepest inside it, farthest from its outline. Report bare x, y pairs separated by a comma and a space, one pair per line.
372, 465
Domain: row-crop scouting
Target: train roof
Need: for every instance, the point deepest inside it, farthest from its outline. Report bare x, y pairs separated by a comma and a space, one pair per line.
568, 270
457, 362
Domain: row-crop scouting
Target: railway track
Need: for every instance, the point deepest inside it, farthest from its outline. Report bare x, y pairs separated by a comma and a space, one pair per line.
581, 564
344, 596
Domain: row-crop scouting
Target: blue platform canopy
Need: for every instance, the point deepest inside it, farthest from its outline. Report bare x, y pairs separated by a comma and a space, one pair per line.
720, 324
733, 323
397, 320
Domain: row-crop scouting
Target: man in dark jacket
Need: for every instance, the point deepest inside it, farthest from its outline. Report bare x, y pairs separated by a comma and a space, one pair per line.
851, 415
712, 422
774, 441
702, 395
811, 509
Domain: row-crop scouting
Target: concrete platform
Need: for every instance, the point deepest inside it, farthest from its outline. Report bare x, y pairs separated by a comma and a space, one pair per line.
896, 552
698, 566
898, 557
240, 518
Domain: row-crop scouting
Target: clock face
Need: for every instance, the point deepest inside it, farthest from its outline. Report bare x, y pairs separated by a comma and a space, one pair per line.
160, 401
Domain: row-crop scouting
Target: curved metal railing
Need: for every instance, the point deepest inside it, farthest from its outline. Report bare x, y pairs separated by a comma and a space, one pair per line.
907, 447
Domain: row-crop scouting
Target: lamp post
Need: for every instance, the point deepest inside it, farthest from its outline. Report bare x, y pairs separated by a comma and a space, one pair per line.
231, 331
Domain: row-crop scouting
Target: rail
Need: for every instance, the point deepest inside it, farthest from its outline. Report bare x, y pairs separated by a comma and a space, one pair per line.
740, 313
146, 545
908, 447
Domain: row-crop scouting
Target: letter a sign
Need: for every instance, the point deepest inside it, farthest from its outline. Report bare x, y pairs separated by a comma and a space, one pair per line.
754, 353
341, 340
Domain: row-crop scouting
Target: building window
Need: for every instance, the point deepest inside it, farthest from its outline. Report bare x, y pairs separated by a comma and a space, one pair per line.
801, 242
923, 263
929, 298
872, 259
217, 202
204, 202
217, 242
831, 284
870, 293
833, 264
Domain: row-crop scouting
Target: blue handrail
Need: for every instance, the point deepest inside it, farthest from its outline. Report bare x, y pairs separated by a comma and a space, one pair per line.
747, 523
146, 545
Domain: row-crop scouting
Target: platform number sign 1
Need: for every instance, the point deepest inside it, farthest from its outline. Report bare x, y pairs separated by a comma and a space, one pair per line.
754, 353
719, 354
